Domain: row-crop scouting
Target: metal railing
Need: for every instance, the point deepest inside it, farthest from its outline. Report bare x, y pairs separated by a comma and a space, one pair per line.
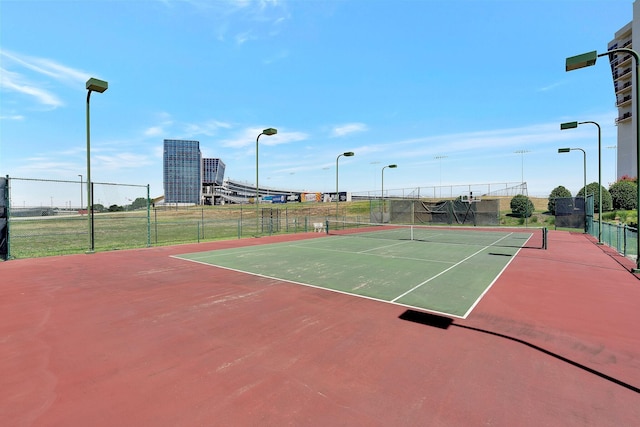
621, 237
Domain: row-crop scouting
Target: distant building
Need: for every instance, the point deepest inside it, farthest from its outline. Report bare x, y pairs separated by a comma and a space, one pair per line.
182, 171
622, 69
213, 172
212, 178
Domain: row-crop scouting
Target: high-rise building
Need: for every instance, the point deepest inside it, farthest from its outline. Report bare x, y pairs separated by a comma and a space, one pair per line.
182, 171
212, 172
623, 69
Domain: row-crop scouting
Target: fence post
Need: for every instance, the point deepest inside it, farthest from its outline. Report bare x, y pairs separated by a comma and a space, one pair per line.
148, 217
4, 219
155, 223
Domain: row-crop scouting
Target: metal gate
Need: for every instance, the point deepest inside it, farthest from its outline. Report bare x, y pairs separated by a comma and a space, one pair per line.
588, 211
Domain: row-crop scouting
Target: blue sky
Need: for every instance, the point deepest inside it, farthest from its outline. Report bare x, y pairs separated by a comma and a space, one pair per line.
447, 90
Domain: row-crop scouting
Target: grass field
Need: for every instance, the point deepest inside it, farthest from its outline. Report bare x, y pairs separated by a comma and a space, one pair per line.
58, 235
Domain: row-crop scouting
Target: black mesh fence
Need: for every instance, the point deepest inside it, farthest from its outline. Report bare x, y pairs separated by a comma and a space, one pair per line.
479, 212
571, 212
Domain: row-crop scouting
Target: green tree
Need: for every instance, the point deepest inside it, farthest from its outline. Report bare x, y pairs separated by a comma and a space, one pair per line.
139, 203
624, 194
593, 189
521, 205
557, 193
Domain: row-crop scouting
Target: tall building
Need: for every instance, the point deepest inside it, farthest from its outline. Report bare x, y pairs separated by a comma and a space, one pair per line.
623, 73
182, 171
212, 172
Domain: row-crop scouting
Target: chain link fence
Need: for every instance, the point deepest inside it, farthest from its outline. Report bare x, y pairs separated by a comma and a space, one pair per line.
50, 217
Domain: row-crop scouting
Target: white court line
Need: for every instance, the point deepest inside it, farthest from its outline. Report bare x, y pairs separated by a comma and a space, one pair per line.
323, 288
495, 279
365, 252
419, 285
394, 301
382, 247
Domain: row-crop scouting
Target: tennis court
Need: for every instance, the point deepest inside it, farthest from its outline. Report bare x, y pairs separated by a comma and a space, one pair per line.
445, 271
141, 337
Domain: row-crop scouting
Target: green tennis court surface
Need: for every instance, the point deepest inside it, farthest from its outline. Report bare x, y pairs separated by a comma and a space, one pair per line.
444, 271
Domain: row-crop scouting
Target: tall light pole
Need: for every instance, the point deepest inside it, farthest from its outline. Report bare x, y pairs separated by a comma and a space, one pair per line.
382, 192
439, 158
573, 125
522, 152
346, 154
81, 202
588, 59
93, 85
268, 132
584, 155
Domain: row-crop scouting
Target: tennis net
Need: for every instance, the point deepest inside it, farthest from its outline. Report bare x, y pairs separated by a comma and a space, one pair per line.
436, 234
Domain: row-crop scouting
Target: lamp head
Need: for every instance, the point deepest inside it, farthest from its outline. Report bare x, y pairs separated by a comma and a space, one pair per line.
349, 154
393, 166
564, 150
97, 85
580, 61
270, 131
568, 125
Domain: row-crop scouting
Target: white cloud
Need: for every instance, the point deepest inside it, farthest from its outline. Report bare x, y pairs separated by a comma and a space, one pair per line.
47, 67
154, 131
164, 121
242, 38
349, 128
29, 75
12, 117
248, 138
208, 128
121, 161
14, 82
550, 87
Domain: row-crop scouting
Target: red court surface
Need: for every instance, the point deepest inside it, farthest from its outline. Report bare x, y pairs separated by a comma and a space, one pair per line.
136, 338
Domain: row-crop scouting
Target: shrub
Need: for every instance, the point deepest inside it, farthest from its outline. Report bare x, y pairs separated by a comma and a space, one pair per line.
556, 193
522, 206
624, 194
593, 189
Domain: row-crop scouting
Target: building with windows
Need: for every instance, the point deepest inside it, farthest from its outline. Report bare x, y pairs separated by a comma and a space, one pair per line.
182, 172
623, 69
213, 172
212, 179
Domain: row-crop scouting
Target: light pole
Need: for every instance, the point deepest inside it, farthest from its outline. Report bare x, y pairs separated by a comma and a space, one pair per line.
93, 85
81, 202
346, 154
573, 125
584, 155
439, 158
268, 132
382, 190
522, 152
588, 59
